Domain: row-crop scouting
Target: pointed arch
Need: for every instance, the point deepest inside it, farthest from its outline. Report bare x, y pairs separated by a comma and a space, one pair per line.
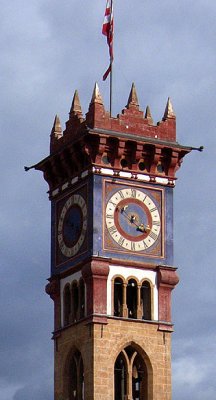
75, 301
146, 300
120, 377
74, 376
118, 297
132, 297
66, 304
139, 373
81, 298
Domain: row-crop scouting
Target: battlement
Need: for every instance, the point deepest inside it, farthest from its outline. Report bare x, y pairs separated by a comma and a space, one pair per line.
131, 121
128, 143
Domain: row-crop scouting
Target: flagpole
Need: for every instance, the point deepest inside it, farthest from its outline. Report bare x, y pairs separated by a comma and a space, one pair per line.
107, 30
111, 87
111, 71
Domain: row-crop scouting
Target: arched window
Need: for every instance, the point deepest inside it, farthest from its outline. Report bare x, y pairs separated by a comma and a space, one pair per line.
146, 300
118, 297
67, 304
81, 298
132, 298
120, 373
73, 375
131, 376
81, 379
75, 302
76, 381
139, 379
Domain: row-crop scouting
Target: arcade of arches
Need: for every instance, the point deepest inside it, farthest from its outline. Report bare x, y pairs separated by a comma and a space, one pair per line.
73, 302
130, 299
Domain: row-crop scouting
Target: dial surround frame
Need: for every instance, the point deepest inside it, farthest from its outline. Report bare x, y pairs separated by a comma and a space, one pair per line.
150, 203
70, 246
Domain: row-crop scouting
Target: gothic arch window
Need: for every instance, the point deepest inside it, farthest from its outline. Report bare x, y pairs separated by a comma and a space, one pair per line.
120, 373
139, 379
67, 304
146, 300
81, 298
118, 297
131, 376
132, 298
75, 301
76, 377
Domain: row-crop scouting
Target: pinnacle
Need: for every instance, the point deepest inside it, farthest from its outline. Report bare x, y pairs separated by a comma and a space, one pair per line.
56, 129
169, 111
76, 107
133, 99
148, 114
96, 96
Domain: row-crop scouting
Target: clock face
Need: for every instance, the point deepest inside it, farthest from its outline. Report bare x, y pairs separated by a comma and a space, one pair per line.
133, 219
72, 225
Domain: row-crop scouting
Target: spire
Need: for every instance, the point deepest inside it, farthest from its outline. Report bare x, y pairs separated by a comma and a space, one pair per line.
133, 99
56, 132
148, 115
96, 112
75, 106
169, 112
96, 96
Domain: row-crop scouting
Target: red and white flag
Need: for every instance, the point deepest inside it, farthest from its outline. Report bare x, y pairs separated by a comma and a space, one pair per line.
107, 30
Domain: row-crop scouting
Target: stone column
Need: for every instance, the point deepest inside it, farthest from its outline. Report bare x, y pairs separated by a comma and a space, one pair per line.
124, 305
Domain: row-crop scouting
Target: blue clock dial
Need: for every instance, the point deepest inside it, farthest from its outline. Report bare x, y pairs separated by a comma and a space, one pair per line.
132, 219
72, 225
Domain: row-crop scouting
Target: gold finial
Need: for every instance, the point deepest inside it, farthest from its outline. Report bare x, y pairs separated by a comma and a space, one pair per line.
76, 107
133, 99
169, 111
56, 131
148, 115
96, 96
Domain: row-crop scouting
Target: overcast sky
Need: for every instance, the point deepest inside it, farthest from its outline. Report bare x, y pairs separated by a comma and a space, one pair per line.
49, 48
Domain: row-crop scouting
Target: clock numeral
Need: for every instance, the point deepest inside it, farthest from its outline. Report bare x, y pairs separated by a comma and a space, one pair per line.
121, 194
133, 248
145, 245
156, 223
60, 226
84, 225
80, 201
111, 216
121, 241
112, 202
153, 235
68, 203
61, 219
133, 193
153, 209
63, 247
84, 212
112, 229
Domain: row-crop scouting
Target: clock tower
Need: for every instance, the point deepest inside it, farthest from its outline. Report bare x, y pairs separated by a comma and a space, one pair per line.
111, 184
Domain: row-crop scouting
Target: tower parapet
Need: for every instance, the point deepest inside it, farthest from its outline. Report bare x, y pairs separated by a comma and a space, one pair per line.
128, 142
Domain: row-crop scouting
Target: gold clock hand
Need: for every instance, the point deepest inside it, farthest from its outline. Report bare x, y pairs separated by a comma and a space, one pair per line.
144, 228
132, 219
